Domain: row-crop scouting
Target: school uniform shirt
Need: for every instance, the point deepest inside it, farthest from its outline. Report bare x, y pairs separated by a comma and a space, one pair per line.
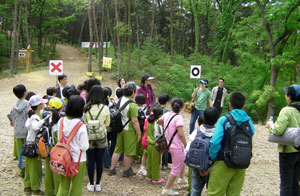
131, 111
176, 122
18, 115
80, 141
33, 125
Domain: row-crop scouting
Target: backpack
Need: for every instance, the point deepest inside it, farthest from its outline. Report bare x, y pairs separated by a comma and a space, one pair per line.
95, 129
116, 124
197, 157
42, 140
142, 117
161, 143
238, 145
61, 161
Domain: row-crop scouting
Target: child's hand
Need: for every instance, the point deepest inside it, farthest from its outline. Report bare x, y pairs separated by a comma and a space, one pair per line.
138, 137
203, 172
269, 124
11, 123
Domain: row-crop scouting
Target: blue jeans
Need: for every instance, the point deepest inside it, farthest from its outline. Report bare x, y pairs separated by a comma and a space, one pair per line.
195, 114
198, 182
289, 167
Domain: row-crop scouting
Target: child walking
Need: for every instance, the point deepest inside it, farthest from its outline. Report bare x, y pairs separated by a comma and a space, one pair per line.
96, 109
79, 145
33, 165
153, 156
17, 117
175, 131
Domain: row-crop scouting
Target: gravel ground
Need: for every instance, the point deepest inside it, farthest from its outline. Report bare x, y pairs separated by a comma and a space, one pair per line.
262, 178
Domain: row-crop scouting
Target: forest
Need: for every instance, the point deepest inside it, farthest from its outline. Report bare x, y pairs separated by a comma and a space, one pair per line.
253, 44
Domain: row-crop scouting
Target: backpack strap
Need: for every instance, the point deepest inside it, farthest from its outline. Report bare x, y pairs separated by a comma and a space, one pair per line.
74, 131
122, 108
97, 116
61, 136
230, 119
169, 122
173, 133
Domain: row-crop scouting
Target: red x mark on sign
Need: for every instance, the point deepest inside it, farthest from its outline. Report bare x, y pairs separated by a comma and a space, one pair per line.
56, 67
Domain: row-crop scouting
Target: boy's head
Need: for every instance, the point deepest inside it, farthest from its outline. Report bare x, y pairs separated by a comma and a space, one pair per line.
140, 99
75, 107
51, 91
20, 91
119, 93
211, 115
129, 89
237, 100
63, 80
203, 83
29, 94
163, 98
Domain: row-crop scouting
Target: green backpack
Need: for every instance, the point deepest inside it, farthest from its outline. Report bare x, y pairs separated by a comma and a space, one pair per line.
95, 129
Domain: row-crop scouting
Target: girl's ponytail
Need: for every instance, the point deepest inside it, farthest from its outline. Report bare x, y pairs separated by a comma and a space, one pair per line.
54, 116
31, 111
155, 114
177, 104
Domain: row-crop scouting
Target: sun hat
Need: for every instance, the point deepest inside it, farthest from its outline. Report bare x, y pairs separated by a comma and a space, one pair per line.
37, 100
296, 87
55, 103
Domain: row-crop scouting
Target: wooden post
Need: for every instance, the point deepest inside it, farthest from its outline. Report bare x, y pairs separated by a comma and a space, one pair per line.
28, 58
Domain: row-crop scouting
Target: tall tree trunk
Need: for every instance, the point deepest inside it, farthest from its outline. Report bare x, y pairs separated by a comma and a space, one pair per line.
214, 32
228, 36
13, 38
81, 29
40, 35
101, 35
196, 23
138, 38
274, 68
152, 23
26, 22
172, 28
90, 10
118, 38
129, 38
18, 38
97, 35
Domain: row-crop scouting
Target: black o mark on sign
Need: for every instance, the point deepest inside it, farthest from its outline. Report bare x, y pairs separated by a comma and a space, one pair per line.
195, 71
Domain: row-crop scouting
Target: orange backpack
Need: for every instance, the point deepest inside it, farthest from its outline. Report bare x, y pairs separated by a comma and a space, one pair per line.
61, 161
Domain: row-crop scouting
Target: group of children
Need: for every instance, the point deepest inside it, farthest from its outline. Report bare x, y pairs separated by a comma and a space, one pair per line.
91, 103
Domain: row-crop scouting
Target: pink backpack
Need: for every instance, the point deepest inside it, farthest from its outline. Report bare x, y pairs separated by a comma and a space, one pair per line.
144, 139
61, 161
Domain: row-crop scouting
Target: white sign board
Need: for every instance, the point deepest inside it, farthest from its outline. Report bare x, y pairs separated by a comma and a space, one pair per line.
87, 44
21, 54
195, 71
55, 67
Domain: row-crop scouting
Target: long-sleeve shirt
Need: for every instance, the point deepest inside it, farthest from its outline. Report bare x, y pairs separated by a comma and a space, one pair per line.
33, 125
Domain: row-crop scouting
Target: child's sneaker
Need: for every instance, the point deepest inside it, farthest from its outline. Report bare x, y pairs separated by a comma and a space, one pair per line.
142, 172
159, 181
128, 173
27, 191
38, 192
90, 187
169, 192
97, 188
182, 181
112, 172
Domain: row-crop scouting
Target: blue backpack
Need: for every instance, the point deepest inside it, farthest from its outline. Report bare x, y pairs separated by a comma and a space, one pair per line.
197, 157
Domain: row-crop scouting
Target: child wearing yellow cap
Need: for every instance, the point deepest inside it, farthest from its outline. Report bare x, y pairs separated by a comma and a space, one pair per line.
52, 180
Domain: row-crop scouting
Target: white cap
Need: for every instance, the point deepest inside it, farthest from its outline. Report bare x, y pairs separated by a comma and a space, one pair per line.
37, 100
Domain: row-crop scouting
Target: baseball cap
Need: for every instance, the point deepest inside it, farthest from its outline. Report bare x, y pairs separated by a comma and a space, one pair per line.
148, 77
37, 100
203, 81
296, 87
55, 103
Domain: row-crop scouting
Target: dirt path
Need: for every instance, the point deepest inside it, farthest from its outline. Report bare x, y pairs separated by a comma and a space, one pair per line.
262, 177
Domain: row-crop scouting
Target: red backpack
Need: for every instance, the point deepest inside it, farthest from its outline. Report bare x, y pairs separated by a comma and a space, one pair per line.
61, 161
